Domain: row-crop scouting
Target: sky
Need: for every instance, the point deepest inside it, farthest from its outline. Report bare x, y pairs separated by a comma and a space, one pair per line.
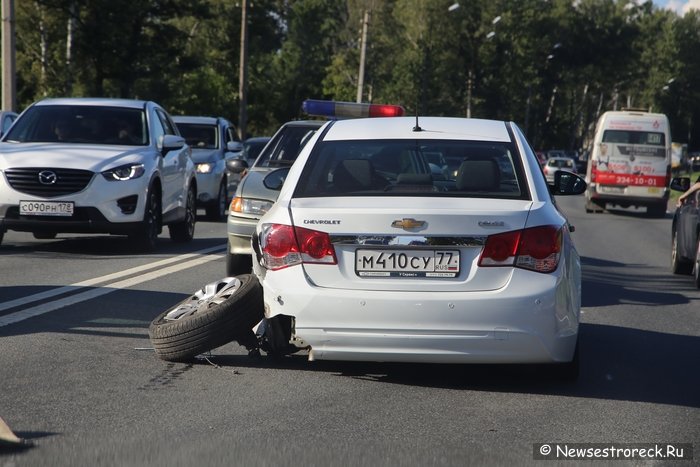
679, 6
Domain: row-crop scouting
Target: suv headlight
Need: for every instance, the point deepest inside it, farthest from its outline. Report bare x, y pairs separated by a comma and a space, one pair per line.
204, 167
124, 172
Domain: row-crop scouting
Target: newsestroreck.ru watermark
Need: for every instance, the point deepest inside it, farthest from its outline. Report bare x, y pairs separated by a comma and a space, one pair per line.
612, 451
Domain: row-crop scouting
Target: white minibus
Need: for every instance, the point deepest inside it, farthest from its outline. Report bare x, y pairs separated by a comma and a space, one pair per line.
630, 163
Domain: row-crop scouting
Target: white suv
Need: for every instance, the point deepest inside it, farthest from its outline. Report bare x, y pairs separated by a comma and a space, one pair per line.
84, 165
213, 141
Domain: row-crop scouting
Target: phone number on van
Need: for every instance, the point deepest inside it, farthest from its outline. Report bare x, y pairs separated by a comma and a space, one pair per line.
624, 179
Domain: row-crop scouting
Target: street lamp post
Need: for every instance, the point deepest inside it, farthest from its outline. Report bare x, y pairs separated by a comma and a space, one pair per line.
363, 50
9, 89
470, 73
243, 74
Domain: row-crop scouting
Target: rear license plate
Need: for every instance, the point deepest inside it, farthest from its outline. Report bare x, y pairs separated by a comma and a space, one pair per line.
46, 208
407, 263
611, 189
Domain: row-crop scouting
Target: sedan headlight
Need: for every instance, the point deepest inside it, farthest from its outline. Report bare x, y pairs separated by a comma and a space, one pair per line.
124, 172
255, 207
204, 167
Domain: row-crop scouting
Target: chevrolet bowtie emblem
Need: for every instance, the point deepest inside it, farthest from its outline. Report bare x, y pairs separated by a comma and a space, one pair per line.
407, 224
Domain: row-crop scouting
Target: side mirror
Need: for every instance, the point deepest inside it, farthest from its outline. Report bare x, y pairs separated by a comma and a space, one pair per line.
171, 143
274, 180
567, 183
234, 146
236, 165
680, 183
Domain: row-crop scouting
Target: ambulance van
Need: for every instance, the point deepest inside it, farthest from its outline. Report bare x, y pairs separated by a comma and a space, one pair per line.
630, 163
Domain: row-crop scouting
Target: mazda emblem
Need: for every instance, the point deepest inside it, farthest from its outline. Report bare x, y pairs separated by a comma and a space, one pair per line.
47, 177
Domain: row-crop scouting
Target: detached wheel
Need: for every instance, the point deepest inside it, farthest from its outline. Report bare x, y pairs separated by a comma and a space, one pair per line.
217, 211
219, 313
678, 265
183, 231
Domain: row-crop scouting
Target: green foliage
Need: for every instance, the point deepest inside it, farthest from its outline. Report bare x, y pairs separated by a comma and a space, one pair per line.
552, 66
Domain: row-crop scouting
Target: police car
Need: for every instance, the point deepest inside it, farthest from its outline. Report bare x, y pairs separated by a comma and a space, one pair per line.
369, 255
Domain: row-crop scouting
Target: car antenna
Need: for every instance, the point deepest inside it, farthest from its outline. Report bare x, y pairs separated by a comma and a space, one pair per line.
417, 127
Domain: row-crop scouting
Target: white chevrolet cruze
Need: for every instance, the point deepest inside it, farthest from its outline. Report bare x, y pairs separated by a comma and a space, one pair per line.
370, 255
84, 165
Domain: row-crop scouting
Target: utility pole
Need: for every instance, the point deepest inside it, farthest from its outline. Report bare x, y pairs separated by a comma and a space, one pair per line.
363, 51
243, 73
9, 87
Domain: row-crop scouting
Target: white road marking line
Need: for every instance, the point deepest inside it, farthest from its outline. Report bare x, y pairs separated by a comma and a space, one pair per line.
105, 289
108, 277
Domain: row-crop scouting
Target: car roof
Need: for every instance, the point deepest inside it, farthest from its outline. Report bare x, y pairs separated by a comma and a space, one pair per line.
430, 128
307, 123
94, 101
197, 119
257, 139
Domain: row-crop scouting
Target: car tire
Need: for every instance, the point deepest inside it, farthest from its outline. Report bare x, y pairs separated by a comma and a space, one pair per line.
183, 231
592, 206
217, 314
238, 264
678, 265
217, 211
2, 236
146, 236
44, 235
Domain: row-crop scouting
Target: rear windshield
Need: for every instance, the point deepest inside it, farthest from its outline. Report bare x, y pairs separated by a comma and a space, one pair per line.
651, 138
199, 136
561, 163
80, 124
413, 168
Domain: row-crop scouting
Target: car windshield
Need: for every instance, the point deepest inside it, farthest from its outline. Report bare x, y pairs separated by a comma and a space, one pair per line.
251, 149
199, 136
80, 124
413, 168
285, 146
634, 137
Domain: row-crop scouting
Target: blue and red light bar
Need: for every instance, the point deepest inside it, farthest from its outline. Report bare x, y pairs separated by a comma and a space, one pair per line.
335, 109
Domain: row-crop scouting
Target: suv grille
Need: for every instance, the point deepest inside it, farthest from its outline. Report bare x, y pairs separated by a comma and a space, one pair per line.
51, 182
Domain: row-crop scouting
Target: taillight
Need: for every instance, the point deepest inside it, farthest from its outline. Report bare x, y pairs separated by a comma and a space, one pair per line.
594, 170
284, 246
537, 249
500, 250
